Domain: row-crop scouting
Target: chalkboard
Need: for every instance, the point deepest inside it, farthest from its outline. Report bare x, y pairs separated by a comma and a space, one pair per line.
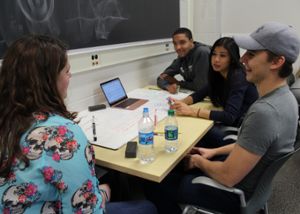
88, 23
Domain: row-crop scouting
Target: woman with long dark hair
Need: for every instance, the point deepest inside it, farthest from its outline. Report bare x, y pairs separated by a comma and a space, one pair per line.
227, 88
46, 161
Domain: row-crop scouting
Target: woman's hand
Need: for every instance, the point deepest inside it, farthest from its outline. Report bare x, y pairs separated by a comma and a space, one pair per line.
183, 109
105, 193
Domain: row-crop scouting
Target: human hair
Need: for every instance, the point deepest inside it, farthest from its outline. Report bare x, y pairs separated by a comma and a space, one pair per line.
215, 79
185, 31
287, 67
28, 84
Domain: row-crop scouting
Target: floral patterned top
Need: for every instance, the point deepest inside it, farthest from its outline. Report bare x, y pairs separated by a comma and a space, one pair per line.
61, 176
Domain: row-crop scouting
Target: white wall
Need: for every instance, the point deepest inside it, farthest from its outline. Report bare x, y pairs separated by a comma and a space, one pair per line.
84, 89
245, 16
208, 19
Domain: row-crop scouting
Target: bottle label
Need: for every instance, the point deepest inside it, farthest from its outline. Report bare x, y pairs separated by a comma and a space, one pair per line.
171, 133
146, 138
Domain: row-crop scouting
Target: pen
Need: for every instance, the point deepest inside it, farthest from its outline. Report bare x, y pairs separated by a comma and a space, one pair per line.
170, 101
94, 129
155, 117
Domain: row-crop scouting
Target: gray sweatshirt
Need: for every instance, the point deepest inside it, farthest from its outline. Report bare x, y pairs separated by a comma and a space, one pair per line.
193, 68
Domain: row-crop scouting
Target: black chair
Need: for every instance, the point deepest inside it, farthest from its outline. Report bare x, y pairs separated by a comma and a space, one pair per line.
230, 133
258, 201
295, 89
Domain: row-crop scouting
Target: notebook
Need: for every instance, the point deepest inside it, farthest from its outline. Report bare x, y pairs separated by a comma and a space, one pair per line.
116, 96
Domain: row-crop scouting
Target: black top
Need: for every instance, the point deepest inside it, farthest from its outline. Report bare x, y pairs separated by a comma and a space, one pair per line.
238, 95
193, 68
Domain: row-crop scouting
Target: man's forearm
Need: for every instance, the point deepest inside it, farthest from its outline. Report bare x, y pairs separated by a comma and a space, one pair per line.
236, 166
224, 150
187, 85
215, 170
162, 83
171, 79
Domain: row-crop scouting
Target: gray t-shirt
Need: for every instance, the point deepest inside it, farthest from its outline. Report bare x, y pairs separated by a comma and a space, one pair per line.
269, 130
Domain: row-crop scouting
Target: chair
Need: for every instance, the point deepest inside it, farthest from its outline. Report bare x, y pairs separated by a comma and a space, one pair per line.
262, 192
295, 89
230, 133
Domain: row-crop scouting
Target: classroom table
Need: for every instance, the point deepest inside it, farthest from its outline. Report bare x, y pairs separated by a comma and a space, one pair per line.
191, 131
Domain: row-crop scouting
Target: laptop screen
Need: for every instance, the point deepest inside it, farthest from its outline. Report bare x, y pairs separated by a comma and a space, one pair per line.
113, 91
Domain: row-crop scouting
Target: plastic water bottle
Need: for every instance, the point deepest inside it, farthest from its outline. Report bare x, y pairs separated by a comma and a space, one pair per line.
171, 132
145, 149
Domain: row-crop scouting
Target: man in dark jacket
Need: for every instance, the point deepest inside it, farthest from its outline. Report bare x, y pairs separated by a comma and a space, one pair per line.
192, 63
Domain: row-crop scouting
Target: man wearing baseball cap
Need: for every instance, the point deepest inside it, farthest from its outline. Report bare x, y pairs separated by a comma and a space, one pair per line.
268, 130
270, 125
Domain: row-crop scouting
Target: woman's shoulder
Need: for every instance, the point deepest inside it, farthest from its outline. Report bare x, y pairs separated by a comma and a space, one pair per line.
53, 134
237, 75
50, 118
55, 121
237, 72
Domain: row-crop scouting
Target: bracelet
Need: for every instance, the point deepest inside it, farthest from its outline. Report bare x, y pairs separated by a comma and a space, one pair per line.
198, 112
105, 194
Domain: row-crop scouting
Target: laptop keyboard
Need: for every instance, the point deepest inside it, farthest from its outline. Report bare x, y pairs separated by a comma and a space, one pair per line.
126, 103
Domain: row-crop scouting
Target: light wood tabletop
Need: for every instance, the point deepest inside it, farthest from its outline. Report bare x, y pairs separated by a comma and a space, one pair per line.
191, 131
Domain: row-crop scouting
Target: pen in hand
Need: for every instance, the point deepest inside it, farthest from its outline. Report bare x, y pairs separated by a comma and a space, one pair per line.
170, 101
94, 129
155, 117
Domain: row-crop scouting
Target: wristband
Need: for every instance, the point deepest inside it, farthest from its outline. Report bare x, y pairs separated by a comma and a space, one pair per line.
105, 194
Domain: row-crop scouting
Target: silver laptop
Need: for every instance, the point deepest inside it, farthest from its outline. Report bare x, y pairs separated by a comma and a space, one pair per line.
116, 96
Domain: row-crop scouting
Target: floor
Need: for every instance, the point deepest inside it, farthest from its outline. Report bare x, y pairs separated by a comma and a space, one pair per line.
285, 198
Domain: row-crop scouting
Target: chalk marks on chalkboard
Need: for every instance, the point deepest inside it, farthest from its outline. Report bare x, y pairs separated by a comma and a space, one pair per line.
39, 16
88, 23
93, 18
37, 10
109, 15
77, 21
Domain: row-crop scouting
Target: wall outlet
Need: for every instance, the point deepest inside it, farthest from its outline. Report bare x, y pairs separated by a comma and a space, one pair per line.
95, 59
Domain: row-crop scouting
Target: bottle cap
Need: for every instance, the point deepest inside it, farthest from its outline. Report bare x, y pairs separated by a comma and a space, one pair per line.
171, 112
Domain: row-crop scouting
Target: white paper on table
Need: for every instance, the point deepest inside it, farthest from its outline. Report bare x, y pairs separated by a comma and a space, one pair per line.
115, 127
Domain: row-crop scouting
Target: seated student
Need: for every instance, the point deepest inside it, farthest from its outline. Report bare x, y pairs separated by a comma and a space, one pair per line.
295, 87
47, 163
191, 63
268, 130
227, 87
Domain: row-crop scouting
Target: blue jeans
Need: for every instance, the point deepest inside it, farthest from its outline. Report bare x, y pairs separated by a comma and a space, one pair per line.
130, 207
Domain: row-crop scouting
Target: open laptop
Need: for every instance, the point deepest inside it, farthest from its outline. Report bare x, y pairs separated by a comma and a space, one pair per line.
116, 96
